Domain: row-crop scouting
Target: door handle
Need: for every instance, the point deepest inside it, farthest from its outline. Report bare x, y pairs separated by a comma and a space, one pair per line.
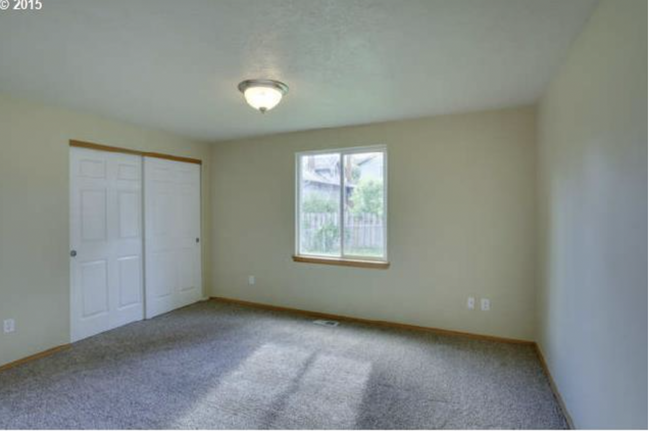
73, 253
197, 240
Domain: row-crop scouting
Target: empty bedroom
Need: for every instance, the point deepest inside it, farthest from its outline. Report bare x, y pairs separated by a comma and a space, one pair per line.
324, 214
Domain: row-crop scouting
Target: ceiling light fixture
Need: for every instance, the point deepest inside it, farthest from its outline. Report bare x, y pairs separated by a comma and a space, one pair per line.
263, 94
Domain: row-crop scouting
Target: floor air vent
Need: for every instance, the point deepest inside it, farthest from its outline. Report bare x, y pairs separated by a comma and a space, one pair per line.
331, 323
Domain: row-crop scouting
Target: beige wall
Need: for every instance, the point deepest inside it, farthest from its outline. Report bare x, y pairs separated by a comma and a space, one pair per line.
593, 293
460, 222
34, 241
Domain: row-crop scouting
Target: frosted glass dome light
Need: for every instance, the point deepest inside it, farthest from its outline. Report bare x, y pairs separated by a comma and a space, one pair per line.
263, 94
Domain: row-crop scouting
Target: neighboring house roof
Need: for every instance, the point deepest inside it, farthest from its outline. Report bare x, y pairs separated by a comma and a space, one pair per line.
316, 178
366, 159
330, 167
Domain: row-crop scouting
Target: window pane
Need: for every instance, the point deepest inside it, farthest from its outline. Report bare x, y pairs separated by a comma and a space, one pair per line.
320, 192
364, 204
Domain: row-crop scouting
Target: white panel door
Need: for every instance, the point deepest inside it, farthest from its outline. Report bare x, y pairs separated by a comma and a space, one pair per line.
106, 263
172, 235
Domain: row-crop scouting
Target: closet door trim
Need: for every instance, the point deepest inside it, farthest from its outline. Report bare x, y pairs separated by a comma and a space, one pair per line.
111, 149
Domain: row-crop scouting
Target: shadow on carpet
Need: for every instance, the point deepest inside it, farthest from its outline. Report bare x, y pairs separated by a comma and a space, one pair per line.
214, 366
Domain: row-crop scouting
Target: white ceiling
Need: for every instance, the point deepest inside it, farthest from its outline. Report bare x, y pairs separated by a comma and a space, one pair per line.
175, 64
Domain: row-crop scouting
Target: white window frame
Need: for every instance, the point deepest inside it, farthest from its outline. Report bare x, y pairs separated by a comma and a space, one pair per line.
298, 221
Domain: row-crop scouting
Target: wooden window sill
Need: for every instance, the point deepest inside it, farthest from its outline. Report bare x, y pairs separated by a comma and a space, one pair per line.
374, 264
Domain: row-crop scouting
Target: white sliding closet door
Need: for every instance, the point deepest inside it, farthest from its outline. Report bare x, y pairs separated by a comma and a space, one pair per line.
172, 234
106, 241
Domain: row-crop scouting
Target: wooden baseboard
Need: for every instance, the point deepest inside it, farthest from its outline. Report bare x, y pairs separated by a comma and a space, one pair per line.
319, 315
34, 357
554, 388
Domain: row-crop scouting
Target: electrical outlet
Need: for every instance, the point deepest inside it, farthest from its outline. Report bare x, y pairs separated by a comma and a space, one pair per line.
485, 304
251, 280
470, 302
9, 325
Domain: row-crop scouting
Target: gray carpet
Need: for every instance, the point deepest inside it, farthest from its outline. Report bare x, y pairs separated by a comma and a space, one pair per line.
214, 365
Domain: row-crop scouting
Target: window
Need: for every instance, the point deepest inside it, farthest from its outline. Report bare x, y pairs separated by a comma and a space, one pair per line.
341, 204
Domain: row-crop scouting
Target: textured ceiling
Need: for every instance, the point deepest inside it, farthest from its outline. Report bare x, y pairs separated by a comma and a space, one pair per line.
175, 65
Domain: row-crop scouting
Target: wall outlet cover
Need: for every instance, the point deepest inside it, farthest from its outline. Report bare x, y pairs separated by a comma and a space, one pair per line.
470, 302
9, 325
485, 304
